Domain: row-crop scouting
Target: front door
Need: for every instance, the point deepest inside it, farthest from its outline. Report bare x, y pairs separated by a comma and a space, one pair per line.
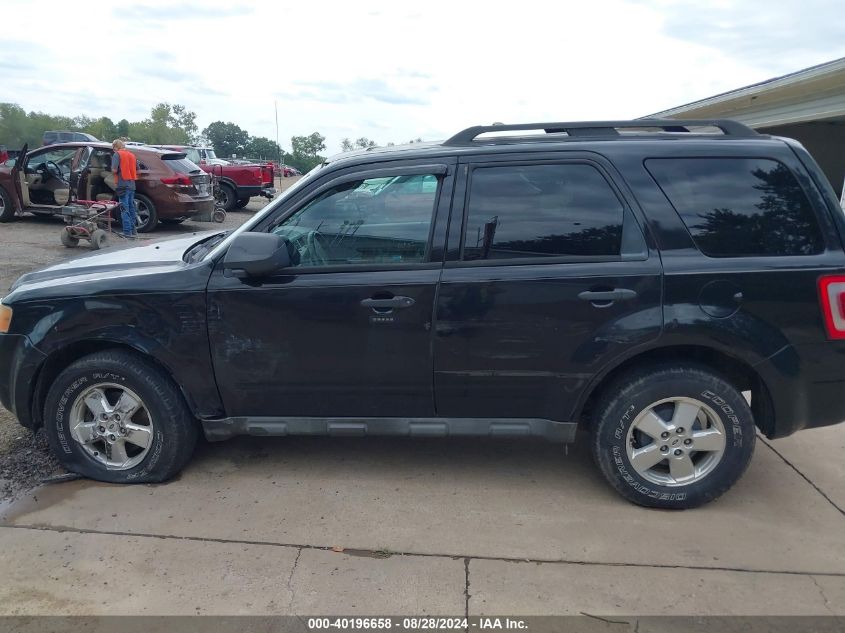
46, 176
346, 330
549, 278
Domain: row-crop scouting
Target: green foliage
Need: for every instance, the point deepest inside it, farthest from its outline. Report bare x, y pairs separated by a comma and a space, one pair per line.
362, 143
226, 139
263, 148
104, 129
306, 151
167, 124
365, 143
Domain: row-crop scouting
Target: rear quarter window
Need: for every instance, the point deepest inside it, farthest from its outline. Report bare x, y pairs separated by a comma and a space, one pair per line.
181, 165
739, 207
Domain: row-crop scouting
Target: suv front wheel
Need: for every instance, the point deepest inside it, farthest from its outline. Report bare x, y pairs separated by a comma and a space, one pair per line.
113, 416
672, 437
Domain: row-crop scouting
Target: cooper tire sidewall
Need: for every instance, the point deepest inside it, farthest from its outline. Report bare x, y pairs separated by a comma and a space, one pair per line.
739, 435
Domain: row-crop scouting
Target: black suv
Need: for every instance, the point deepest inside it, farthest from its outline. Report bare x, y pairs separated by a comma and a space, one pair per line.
669, 286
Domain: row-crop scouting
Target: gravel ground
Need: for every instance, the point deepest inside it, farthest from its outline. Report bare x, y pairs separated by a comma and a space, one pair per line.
32, 243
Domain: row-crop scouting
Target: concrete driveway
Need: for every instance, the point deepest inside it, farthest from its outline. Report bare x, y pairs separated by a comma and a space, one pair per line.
377, 526
389, 526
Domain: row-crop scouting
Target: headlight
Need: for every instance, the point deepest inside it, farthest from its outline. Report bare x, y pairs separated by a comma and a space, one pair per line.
5, 318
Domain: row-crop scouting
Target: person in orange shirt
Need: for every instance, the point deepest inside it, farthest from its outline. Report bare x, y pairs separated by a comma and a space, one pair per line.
124, 165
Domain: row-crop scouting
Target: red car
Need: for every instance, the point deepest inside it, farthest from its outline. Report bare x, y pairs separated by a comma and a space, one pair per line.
238, 183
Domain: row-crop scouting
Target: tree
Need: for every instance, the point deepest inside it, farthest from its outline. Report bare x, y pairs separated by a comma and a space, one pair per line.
123, 128
226, 138
103, 128
263, 148
365, 143
306, 151
346, 145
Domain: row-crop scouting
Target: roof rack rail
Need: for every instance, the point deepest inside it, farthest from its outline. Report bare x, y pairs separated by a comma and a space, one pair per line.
606, 128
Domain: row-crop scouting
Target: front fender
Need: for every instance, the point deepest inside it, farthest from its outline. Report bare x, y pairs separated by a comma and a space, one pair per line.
170, 329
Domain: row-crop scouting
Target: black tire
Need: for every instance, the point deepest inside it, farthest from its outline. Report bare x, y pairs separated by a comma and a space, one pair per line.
145, 206
226, 197
68, 240
99, 239
241, 203
634, 393
174, 431
7, 209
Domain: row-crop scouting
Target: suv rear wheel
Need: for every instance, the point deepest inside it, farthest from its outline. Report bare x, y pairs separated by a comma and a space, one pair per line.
146, 215
113, 416
672, 437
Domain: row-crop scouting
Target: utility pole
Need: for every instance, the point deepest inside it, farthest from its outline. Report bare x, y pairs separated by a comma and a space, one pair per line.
278, 147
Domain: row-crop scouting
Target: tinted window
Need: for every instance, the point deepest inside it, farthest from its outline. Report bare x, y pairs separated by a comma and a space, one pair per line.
373, 221
541, 211
735, 207
181, 165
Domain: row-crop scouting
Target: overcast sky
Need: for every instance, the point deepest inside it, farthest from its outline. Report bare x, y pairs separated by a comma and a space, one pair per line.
393, 70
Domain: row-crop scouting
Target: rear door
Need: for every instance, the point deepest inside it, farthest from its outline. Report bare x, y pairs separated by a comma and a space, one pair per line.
548, 277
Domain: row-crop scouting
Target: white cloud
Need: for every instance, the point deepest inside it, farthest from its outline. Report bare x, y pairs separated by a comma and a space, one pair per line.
394, 71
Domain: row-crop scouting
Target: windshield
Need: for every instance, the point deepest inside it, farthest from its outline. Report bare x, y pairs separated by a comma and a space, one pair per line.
270, 208
210, 153
192, 155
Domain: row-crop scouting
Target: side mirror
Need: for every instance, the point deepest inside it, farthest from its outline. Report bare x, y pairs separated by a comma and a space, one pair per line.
257, 254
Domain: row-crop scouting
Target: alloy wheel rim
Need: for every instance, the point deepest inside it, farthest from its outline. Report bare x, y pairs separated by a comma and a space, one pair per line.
113, 425
676, 442
142, 214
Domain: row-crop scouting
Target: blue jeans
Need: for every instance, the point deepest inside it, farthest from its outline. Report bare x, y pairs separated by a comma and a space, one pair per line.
127, 211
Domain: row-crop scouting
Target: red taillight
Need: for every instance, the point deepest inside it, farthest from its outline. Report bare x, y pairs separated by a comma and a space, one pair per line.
180, 179
832, 299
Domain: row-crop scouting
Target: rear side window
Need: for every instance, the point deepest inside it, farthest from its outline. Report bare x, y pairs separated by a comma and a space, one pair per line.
740, 207
541, 211
181, 165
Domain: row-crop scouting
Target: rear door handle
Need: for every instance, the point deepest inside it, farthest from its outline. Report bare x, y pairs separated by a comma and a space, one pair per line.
617, 294
388, 304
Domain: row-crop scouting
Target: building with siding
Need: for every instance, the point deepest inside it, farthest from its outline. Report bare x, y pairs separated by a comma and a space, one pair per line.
808, 105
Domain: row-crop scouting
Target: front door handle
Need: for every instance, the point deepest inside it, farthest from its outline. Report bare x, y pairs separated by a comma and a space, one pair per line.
602, 296
388, 304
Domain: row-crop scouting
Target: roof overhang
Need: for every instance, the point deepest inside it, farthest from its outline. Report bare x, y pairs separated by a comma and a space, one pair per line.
813, 94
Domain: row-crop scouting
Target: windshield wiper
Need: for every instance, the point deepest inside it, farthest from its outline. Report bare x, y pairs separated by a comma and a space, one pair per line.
198, 251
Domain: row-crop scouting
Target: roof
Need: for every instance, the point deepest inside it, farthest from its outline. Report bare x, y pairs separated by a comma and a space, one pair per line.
813, 93
473, 139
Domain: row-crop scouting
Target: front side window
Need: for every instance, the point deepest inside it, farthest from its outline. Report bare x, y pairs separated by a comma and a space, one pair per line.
541, 211
372, 221
739, 207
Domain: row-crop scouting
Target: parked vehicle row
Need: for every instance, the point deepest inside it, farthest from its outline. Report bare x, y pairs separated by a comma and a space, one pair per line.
628, 278
170, 188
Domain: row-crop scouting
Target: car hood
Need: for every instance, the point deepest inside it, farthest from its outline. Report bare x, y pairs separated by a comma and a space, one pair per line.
157, 257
